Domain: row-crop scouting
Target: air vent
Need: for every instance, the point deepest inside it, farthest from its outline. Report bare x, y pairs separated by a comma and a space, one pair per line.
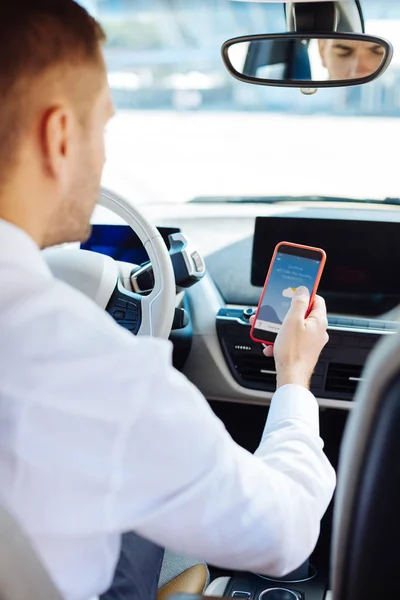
343, 379
256, 369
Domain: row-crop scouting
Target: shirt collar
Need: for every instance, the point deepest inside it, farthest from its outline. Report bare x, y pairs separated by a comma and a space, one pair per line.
18, 248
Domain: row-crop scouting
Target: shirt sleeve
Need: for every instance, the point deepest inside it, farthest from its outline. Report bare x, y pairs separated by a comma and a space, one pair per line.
186, 485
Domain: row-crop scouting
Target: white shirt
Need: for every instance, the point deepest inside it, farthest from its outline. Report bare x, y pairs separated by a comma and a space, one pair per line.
100, 435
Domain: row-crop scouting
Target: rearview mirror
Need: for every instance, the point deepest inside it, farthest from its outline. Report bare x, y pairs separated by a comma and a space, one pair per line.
307, 60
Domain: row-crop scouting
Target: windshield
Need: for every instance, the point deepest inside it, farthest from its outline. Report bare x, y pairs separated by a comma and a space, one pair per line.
186, 129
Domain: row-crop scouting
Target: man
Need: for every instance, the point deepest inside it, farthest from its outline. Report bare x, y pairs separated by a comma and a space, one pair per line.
99, 434
349, 59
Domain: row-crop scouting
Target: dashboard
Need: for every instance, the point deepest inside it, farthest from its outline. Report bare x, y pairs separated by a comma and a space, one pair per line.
362, 292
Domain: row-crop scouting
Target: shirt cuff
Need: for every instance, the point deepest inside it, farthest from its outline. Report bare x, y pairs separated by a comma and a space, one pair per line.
293, 402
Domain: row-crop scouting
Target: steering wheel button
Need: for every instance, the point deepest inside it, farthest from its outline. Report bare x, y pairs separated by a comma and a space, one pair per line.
131, 315
132, 306
119, 315
121, 303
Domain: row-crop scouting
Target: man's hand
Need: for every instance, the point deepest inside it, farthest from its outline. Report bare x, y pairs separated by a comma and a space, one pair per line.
300, 341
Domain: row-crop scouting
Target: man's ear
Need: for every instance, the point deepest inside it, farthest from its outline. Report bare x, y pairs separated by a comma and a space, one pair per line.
321, 48
56, 140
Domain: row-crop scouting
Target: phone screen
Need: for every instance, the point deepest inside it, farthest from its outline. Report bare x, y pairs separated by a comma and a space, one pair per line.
293, 267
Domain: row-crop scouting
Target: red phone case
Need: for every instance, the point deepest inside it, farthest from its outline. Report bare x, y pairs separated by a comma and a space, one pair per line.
314, 291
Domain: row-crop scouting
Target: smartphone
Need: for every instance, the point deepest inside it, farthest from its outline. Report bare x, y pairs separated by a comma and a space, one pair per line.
292, 266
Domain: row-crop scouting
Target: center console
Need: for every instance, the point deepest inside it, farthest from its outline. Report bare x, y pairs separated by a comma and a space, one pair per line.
359, 289
306, 583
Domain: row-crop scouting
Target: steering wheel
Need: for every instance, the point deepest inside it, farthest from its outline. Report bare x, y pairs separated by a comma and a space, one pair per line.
107, 282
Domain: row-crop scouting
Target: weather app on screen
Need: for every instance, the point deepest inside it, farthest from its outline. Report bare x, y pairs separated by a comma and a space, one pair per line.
288, 273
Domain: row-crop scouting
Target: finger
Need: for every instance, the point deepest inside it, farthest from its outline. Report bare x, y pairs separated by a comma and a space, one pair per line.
252, 319
300, 303
268, 351
318, 310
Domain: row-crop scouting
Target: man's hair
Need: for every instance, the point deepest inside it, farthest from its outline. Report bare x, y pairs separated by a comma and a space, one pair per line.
37, 36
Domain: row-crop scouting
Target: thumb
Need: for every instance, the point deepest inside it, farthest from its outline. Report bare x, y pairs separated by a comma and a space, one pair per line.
300, 302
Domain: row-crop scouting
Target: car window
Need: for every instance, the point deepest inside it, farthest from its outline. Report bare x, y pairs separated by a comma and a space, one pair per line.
185, 128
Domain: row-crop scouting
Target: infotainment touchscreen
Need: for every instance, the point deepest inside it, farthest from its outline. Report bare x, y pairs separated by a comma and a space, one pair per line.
361, 275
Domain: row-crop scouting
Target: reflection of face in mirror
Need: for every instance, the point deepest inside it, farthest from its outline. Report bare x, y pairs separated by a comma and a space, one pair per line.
350, 59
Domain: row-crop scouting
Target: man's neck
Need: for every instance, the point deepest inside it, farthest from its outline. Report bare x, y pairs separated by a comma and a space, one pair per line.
25, 202
18, 218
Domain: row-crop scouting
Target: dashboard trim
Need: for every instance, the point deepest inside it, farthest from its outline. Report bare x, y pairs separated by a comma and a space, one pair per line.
333, 327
